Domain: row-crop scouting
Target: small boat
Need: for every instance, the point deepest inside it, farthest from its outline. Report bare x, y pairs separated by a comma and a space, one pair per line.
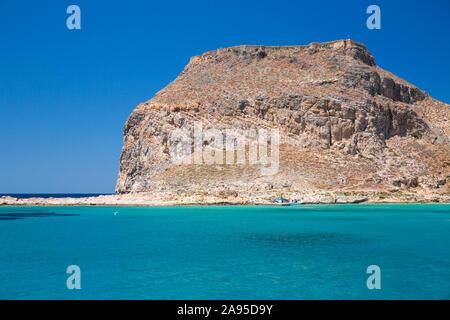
281, 202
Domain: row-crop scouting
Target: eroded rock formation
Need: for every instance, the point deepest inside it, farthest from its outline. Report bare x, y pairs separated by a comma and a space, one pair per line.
346, 125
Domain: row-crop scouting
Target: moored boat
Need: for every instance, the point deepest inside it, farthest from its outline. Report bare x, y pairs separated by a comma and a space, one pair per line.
281, 202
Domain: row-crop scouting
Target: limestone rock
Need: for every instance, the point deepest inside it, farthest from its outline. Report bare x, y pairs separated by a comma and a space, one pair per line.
344, 123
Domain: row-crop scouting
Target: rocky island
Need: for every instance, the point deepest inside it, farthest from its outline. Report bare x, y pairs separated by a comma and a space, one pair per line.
349, 132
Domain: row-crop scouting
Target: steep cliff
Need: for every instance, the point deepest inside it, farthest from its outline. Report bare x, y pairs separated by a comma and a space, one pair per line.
346, 127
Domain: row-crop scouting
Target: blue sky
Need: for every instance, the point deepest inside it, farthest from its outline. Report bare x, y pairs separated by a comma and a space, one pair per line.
65, 94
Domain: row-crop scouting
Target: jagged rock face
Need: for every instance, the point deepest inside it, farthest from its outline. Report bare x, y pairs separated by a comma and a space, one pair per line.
331, 104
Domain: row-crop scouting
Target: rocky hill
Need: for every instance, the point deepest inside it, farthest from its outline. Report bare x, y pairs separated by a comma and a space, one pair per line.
348, 130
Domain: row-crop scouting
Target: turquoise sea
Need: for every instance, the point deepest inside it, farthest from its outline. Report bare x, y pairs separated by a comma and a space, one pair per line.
226, 252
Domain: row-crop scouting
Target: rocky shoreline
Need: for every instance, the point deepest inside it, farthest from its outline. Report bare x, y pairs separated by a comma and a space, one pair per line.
159, 199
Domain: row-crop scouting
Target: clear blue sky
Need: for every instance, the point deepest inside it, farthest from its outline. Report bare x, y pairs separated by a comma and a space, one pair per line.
65, 94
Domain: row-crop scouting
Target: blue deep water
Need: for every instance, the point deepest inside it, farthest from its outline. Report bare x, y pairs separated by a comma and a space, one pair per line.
226, 252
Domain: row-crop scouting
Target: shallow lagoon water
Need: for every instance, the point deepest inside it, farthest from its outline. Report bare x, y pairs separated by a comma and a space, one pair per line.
226, 252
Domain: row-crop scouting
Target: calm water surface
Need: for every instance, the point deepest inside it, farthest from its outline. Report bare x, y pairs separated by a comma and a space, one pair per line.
302, 252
